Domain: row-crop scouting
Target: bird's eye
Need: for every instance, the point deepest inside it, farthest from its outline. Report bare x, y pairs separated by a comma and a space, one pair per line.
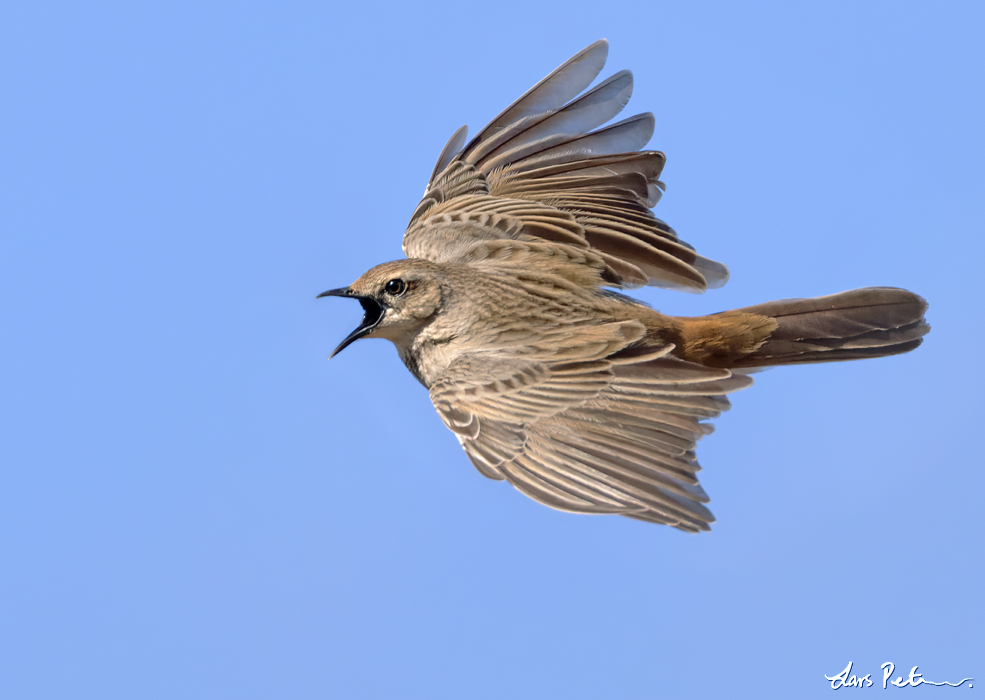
395, 287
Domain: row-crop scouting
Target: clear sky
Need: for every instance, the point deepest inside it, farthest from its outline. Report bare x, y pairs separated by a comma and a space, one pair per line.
195, 504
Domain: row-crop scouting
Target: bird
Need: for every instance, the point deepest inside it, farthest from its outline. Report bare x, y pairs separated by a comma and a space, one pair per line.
508, 309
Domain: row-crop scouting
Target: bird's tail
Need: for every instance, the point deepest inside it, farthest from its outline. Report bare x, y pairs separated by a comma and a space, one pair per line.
871, 322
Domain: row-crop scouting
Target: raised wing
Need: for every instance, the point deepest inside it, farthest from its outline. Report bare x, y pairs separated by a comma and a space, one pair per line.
543, 171
608, 429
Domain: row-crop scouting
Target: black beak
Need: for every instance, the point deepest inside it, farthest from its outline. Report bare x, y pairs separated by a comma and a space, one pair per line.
371, 318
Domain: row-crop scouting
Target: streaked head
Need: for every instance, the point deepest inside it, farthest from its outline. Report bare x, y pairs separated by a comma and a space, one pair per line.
398, 298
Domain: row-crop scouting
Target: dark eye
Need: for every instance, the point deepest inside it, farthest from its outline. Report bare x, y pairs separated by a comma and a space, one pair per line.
395, 287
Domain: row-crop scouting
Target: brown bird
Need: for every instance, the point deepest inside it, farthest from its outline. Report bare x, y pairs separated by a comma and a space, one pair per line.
582, 398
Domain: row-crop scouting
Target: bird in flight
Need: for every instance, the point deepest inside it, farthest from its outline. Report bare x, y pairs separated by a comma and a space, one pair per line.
505, 309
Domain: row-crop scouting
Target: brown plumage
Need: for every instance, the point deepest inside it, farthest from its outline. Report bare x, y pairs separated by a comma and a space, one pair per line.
582, 398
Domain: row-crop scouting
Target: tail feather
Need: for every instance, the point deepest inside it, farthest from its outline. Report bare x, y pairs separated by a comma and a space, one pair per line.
872, 322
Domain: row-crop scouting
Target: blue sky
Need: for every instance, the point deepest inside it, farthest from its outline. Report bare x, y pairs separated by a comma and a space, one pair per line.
195, 504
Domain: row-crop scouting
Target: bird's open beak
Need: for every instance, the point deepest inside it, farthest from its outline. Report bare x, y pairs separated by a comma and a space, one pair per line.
371, 318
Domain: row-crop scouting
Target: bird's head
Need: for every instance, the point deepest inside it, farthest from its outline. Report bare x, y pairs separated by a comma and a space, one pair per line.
399, 298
